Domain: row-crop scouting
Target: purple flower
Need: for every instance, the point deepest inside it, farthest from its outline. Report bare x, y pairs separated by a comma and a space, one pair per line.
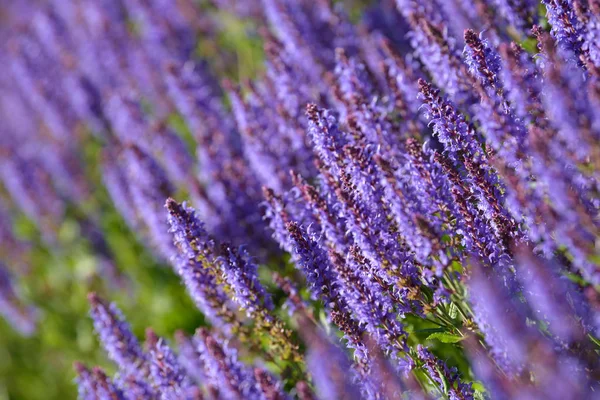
483, 60
271, 388
95, 385
194, 263
447, 378
439, 55
85, 382
546, 291
460, 142
149, 188
326, 137
168, 376
330, 368
234, 380
313, 261
566, 29
501, 319
135, 388
28, 183
189, 358
241, 275
116, 336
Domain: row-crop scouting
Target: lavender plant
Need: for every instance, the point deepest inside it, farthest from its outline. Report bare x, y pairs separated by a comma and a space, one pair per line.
424, 205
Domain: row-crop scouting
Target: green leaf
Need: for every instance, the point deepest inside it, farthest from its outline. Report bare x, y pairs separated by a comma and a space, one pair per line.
596, 341
453, 311
479, 395
430, 330
445, 337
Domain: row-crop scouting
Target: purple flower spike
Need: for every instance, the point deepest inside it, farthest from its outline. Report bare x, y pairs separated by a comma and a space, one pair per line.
439, 55
313, 261
269, 385
150, 186
95, 385
566, 29
330, 367
546, 291
85, 382
195, 264
234, 380
501, 319
105, 388
444, 376
241, 274
328, 140
165, 371
483, 61
116, 336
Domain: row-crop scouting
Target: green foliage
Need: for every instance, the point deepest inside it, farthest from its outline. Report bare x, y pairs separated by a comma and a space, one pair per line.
445, 337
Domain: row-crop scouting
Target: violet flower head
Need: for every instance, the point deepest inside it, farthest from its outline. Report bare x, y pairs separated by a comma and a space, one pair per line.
483, 61
271, 388
327, 138
189, 234
277, 217
165, 371
566, 29
241, 274
496, 382
194, 263
501, 319
28, 183
313, 262
592, 37
330, 368
522, 83
234, 380
116, 336
115, 180
546, 291
85, 382
95, 385
149, 187
450, 126
135, 387
189, 358
105, 387
439, 55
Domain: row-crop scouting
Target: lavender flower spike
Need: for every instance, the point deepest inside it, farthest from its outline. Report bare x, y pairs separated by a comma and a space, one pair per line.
241, 274
194, 264
330, 367
85, 382
149, 186
165, 371
234, 380
95, 385
270, 387
116, 336
444, 376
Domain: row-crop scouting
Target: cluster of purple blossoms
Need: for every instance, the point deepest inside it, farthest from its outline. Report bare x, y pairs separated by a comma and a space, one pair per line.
433, 167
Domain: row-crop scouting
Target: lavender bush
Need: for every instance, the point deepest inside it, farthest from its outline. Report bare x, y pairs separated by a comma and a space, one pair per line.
402, 203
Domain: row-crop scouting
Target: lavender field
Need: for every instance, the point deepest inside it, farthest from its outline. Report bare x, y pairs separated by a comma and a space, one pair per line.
300, 199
